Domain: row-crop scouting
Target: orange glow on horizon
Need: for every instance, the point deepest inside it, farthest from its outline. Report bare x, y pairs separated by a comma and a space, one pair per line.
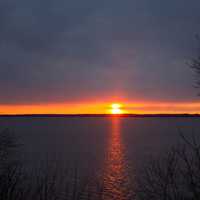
104, 108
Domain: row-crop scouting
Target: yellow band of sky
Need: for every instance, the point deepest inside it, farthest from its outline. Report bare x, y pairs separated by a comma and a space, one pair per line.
103, 108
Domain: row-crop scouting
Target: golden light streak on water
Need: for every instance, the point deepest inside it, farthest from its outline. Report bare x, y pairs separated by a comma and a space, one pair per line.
115, 180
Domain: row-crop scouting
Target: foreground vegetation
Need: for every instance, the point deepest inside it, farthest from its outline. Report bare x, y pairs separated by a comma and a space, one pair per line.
176, 176
45, 183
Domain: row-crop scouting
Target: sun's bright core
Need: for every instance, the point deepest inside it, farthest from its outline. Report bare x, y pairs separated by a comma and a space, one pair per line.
116, 108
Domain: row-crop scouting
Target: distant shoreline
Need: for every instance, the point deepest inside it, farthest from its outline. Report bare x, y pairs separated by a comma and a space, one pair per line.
101, 115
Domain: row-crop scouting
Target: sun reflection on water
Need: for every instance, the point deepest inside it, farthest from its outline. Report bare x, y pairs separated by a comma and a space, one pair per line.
115, 180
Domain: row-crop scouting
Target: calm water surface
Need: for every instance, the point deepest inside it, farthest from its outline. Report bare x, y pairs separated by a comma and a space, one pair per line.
109, 150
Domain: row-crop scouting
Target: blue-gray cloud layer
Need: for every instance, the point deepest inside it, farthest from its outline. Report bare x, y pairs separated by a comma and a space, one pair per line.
65, 50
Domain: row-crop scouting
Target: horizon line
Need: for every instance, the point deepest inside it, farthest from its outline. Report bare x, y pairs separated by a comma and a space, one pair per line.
105, 115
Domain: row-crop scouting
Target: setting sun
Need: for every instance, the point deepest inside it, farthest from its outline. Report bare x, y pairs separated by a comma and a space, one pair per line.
116, 108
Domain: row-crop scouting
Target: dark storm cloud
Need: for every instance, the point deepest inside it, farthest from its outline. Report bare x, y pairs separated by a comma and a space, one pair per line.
63, 50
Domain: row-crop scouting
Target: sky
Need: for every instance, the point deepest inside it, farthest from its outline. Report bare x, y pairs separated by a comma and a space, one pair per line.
75, 56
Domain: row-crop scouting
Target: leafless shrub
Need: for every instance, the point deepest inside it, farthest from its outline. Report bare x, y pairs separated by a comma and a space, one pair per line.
176, 176
47, 182
195, 64
10, 173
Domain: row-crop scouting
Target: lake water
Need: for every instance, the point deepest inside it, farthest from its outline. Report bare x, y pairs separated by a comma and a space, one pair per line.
109, 150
